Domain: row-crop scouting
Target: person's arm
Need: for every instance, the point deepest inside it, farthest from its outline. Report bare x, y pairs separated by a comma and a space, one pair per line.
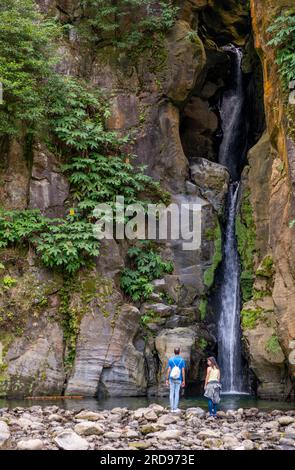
167, 374
183, 377
207, 376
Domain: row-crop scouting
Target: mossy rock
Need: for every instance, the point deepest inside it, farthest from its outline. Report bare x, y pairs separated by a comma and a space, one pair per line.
266, 267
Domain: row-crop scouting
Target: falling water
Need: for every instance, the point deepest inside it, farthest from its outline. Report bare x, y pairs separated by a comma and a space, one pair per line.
232, 147
229, 344
230, 155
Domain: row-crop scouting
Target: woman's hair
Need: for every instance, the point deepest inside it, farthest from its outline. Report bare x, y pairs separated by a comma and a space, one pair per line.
213, 362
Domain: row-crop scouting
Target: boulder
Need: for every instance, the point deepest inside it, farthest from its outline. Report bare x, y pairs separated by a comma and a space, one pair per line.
4, 433
30, 444
212, 180
88, 428
69, 440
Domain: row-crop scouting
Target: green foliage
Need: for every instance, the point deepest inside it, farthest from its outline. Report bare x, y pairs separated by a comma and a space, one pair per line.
8, 282
266, 267
272, 345
283, 39
146, 265
25, 62
68, 245
250, 317
97, 178
217, 257
64, 243
128, 23
203, 308
202, 343
246, 235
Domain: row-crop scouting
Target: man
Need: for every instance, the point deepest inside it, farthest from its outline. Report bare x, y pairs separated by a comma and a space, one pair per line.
175, 378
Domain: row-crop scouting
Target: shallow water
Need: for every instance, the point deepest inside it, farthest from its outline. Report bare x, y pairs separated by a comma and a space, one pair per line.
228, 402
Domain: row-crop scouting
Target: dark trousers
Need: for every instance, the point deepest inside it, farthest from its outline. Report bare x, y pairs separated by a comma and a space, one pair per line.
212, 408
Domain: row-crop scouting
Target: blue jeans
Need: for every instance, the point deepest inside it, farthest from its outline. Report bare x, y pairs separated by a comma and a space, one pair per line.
212, 408
174, 393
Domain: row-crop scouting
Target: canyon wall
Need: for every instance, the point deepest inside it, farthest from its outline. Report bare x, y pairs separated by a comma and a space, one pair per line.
167, 99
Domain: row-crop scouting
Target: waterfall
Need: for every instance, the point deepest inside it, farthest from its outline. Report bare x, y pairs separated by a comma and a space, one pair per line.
232, 147
231, 155
229, 342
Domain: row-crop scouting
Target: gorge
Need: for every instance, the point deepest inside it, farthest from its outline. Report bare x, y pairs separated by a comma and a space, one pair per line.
205, 111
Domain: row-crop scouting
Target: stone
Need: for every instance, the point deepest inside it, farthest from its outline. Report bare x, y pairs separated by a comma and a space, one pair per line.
208, 433
88, 428
120, 371
41, 356
285, 420
247, 444
69, 440
212, 179
198, 412
230, 441
112, 435
4, 433
181, 78
30, 444
49, 188
150, 415
169, 434
141, 445
88, 416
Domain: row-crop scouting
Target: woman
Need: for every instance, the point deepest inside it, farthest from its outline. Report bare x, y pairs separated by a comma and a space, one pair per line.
212, 385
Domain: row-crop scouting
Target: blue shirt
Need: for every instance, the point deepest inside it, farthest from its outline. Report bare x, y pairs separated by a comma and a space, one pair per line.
178, 362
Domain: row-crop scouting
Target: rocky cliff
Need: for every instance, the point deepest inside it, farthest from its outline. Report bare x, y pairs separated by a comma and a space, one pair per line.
86, 337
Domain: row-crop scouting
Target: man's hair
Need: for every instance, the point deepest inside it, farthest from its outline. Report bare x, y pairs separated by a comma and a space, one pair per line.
176, 351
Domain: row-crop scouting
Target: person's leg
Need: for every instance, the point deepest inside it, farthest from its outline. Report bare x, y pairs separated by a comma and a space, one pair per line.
214, 409
177, 392
210, 406
171, 395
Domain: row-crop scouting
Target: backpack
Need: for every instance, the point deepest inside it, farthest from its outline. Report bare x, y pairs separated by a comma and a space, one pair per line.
175, 372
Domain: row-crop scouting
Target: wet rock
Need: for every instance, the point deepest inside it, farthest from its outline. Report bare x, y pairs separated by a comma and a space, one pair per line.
4, 433
89, 416
69, 440
87, 428
286, 420
30, 444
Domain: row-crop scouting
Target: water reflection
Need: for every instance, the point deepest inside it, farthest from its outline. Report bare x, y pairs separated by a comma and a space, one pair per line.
228, 402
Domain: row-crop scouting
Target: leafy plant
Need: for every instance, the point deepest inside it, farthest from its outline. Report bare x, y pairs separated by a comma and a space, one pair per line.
25, 61
272, 345
128, 23
8, 281
283, 39
146, 265
98, 178
64, 243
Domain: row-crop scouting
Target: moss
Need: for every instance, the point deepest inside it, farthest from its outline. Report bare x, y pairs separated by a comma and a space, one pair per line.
272, 345
75, 296
246, 236
202, 343
250, 317
209, 274
203, 308
266, 267
260, 294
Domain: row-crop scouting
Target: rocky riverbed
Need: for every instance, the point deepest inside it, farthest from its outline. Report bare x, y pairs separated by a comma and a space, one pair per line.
152, 428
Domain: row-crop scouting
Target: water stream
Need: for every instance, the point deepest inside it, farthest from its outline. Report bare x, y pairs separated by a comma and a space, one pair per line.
231, 154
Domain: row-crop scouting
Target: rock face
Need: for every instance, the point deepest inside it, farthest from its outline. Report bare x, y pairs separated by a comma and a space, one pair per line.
49, 189
268, 183
106, 359
88, 339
